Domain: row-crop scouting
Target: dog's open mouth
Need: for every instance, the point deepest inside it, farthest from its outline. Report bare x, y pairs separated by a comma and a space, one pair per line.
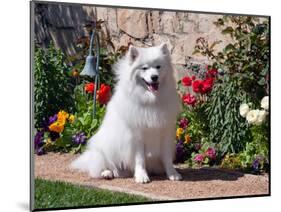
153, 86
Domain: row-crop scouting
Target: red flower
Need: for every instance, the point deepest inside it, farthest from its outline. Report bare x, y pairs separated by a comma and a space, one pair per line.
211, 73
193, 77
207, 85
189, 99
203, 86
197, 86
186, 81
103, 94
90, 87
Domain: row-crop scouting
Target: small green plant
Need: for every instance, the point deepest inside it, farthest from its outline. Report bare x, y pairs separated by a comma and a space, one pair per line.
85, 124
70, 132
255, 155
231, 161
52, 92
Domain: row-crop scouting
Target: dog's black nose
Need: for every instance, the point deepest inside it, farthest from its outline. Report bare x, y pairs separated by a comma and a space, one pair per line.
154, 78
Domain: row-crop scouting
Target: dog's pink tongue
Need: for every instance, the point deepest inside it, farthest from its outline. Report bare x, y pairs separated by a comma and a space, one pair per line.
154, 86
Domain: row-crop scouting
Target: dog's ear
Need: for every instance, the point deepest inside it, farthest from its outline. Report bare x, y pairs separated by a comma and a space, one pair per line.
164, 48
133, 53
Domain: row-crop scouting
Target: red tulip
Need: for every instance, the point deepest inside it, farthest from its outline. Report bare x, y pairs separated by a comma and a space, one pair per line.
90, 87
186, 81
189, 99
197, 86
103, 94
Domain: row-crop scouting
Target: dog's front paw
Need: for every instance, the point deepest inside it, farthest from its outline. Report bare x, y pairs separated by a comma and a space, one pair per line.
107, 174
175, 176
142, 178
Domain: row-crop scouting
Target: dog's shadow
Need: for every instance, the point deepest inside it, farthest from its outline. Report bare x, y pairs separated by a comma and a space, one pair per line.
205, 174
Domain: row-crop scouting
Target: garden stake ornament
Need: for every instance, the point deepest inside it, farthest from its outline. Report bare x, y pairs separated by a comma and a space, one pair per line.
91, 67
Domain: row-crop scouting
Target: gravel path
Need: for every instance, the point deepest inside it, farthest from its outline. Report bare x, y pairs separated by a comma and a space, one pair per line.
197, 183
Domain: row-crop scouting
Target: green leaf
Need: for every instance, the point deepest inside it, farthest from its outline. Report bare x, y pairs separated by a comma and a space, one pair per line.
229, 47
262, 81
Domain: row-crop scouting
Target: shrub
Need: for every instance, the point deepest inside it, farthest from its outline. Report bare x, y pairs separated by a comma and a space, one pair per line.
245, 65
52, 90
227, 128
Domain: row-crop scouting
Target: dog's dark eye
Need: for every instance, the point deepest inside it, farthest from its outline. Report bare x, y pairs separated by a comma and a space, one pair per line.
144, 68
158, 67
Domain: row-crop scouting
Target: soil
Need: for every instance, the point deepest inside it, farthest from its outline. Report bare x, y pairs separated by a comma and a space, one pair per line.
196, 183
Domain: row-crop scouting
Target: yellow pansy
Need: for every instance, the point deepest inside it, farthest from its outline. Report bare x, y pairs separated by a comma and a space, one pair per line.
187, 139
179, 132
48, 142
71, 118
57, 127
62, 116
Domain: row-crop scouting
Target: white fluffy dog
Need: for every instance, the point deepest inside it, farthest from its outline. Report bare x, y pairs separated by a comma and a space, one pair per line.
137, 133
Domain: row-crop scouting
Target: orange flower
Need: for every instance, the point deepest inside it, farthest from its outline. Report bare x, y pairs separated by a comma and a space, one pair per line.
75, 73
62, 116
56, 127
103, 94
187, 139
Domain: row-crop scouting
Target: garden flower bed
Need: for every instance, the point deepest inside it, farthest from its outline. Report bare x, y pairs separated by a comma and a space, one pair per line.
224, 120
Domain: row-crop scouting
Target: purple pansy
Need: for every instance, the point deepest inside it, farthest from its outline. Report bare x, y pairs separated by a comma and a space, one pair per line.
52, 119
256, 163
180, 152
79, 138
38, 142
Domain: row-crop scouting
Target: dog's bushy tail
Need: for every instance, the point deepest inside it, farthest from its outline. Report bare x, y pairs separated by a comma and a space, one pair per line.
92, 162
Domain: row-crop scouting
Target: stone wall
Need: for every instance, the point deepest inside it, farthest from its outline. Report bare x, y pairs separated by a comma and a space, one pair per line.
63, 24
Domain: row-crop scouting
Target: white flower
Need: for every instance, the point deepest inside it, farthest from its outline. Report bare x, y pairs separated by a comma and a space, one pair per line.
244, 109
252, 116
261, 117
265, 103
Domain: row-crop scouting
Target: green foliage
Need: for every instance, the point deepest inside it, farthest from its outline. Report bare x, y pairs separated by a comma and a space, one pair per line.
231, 161
197, 127
255, 151
248, 54
50, 195
84, 121
257, 148
227, 128
84, 115
52, 92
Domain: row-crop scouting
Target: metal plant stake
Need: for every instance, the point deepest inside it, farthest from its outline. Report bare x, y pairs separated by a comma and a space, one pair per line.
91, 67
